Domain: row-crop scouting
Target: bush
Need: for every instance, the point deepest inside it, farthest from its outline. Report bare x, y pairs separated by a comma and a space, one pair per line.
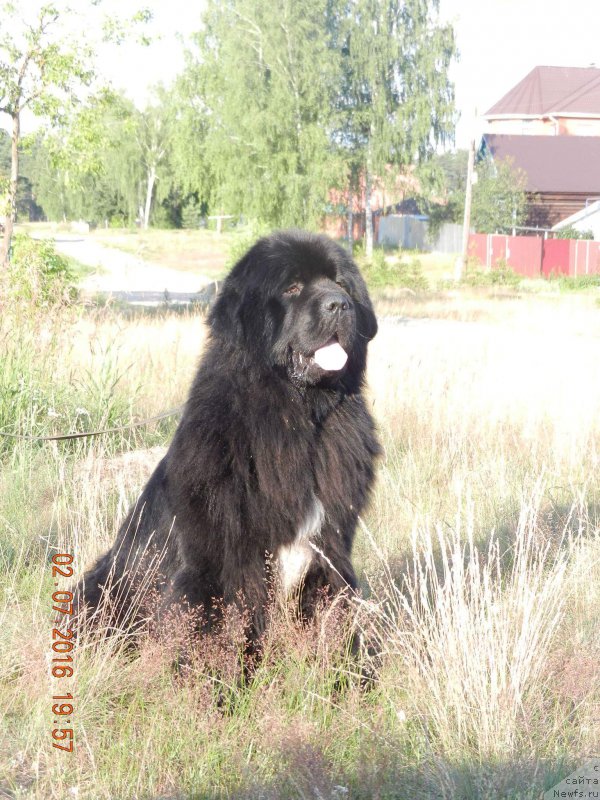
500, 275
572, 233
380, 273
117, 221
567, 283
191, 214
38, 274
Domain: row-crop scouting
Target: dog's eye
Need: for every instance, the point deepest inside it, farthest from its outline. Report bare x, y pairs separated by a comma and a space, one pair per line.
295, 288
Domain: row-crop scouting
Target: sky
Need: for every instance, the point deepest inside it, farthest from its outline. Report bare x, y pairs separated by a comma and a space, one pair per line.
499, 41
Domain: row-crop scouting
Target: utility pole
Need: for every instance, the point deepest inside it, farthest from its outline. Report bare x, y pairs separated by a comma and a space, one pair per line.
461, 261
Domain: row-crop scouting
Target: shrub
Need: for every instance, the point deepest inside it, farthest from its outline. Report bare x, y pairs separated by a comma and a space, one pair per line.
380, 273
117, 221
568, 283
38, 274
500, 275
191, 214
572, 233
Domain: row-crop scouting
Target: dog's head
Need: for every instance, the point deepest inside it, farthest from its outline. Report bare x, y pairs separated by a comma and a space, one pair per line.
297, 302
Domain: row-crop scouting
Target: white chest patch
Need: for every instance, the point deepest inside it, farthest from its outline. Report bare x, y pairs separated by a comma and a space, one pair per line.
294, 559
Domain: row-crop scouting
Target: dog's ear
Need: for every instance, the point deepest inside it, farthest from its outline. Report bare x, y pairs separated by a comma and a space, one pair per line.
238, 313
239, 317
224, 318
366, 319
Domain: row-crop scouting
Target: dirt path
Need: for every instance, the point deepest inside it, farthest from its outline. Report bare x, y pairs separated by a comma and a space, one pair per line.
123, 276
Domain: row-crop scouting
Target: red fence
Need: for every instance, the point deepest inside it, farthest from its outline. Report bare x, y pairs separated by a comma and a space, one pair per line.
533, 256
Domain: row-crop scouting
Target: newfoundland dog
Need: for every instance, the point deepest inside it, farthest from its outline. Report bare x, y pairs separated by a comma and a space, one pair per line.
273, 458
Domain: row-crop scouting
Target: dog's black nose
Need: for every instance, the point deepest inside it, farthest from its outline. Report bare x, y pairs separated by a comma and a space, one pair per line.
335, 301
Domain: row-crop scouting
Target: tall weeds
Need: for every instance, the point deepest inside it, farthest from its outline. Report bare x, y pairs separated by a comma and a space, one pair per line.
468, 634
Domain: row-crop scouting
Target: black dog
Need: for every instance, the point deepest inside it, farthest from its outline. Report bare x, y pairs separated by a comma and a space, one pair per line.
273, 459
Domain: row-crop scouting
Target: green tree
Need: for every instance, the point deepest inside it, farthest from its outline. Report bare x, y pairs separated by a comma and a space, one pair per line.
39, 71
499, 199
396, 101
90, 166
443, 179
264, 76
27, 206
43, 67
569, 232
190, 177
106, 159
154, 130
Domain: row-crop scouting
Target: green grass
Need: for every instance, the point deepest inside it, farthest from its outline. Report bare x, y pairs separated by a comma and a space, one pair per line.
575, 283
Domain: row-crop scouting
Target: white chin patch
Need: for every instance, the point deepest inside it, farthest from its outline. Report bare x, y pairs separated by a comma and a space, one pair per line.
331, 357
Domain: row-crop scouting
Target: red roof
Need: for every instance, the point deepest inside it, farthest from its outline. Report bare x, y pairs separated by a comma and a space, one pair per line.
552, 90
552, 163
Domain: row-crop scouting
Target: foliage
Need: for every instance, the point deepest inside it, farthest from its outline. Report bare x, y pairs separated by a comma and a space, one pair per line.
153, 133
246, 128
39, 68
395, 102
27, 206
100, 164
453, 167
191, 214
499, 200
38, 275
572, 233
266, 116
190, 169
500, 275
44, 68
39, 72
442, 180
381, 272
574, 283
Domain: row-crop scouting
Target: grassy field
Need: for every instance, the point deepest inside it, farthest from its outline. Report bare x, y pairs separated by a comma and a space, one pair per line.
479, 558
202, 251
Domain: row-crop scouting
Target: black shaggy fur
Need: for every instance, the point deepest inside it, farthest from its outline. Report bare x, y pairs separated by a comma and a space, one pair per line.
265, 437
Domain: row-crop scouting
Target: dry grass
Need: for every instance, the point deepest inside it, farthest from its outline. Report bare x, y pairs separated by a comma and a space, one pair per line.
199, 251
479, 557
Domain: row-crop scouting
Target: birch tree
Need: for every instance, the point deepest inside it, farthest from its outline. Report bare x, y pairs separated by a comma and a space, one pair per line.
39, 72
396, 102
45, 63
154, 132
264, 75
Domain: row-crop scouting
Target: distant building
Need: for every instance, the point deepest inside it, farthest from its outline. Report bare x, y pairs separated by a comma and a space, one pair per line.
563, 172
550, 101
548, 125
389, 196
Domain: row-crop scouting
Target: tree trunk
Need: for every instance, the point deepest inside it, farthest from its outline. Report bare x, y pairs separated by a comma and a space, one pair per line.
12, 192
350, 221
368, 215
149, 192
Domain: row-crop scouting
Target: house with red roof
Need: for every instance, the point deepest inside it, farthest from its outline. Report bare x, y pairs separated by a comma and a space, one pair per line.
548, 125
549, 101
